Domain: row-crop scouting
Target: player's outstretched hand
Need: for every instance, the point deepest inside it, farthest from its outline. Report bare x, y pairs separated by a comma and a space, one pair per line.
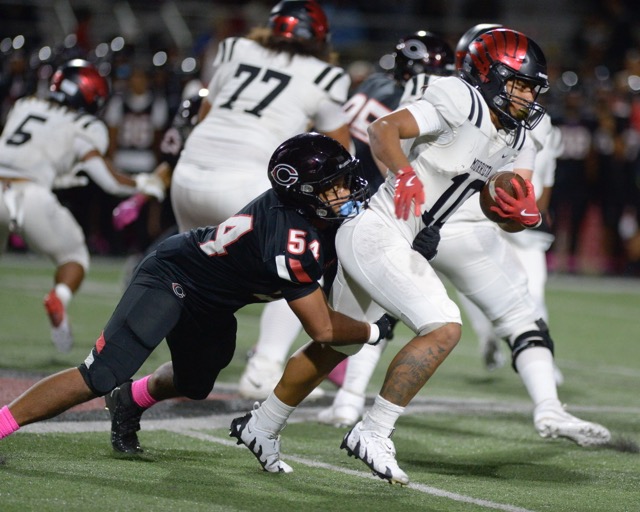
150, 184
409, 189
522, 207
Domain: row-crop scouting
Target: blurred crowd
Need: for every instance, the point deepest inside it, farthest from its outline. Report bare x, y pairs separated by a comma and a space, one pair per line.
594, 99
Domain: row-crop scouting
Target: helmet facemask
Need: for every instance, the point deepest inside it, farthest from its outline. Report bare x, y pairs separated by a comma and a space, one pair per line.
528, 113
329, 194
318, 177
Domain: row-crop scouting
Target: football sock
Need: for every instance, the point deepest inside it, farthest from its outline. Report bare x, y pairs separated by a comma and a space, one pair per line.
272, 415
361, 366
279, 329
140, 393
535, 367
8, 423
382, 417
64, 293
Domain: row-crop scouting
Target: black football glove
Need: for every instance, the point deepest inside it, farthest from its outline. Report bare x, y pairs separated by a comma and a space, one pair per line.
385, 326
426, 242
392, 321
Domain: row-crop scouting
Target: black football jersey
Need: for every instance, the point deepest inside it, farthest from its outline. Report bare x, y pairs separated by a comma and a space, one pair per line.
183, 122
378, 95
264, 252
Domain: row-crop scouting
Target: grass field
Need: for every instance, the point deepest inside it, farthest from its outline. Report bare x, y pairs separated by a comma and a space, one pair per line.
467, 442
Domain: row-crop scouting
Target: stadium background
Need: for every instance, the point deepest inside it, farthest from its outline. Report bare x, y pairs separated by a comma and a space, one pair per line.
592, 49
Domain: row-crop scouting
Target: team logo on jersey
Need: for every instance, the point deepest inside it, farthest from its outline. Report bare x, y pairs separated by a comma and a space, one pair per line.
178, 290
284, 175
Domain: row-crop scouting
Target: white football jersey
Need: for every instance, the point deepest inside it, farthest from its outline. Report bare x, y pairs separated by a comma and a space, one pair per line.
40, 140
458, 149
259, 99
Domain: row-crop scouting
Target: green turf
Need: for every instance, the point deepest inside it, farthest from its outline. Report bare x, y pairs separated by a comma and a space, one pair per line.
476, 443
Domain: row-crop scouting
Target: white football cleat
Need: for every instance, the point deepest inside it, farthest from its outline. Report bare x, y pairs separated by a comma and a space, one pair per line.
260, 377
376, 451
264, 445
555, 422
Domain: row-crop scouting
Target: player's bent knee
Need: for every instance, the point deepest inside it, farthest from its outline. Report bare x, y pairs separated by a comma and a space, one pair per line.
447, 333
99, 378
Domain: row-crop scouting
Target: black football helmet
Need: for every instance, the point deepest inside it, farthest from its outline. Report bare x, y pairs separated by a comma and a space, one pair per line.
495, 58
306, 165
420, 52
79, 85
299, 19
462, 48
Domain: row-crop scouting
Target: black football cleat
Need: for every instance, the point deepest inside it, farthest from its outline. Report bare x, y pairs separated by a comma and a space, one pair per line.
125, 420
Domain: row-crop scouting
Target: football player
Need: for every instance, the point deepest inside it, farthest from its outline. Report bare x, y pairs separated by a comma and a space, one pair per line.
45, 142
460, 132
474, 253
278, 246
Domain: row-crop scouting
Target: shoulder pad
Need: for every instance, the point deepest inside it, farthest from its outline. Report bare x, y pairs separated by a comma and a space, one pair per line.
456, 101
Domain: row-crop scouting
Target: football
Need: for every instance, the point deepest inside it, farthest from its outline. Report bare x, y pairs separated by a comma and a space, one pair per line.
488, 198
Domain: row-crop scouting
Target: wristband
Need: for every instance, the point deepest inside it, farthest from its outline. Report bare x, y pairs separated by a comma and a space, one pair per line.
374, 334
537, 224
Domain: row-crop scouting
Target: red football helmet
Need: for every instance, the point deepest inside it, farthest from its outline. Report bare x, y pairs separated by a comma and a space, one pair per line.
299, 19
497, 58
79, 85
462, 48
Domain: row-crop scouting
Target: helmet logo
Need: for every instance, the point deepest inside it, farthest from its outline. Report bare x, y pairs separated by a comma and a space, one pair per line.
414, 49
285, 175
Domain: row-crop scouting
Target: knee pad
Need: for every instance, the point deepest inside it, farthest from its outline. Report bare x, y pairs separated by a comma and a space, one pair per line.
99, 377
537, 336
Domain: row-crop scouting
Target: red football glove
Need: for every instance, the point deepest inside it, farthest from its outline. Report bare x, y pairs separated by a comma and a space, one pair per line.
409, 190
521, 208
128, 211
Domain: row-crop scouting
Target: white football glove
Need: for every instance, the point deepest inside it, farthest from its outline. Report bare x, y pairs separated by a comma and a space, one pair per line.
150, 185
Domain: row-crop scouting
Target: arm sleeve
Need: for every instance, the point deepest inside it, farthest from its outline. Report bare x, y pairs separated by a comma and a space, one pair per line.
98, 171
427, 117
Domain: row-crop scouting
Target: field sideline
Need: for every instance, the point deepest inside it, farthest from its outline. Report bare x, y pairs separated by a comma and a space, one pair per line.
467, 441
